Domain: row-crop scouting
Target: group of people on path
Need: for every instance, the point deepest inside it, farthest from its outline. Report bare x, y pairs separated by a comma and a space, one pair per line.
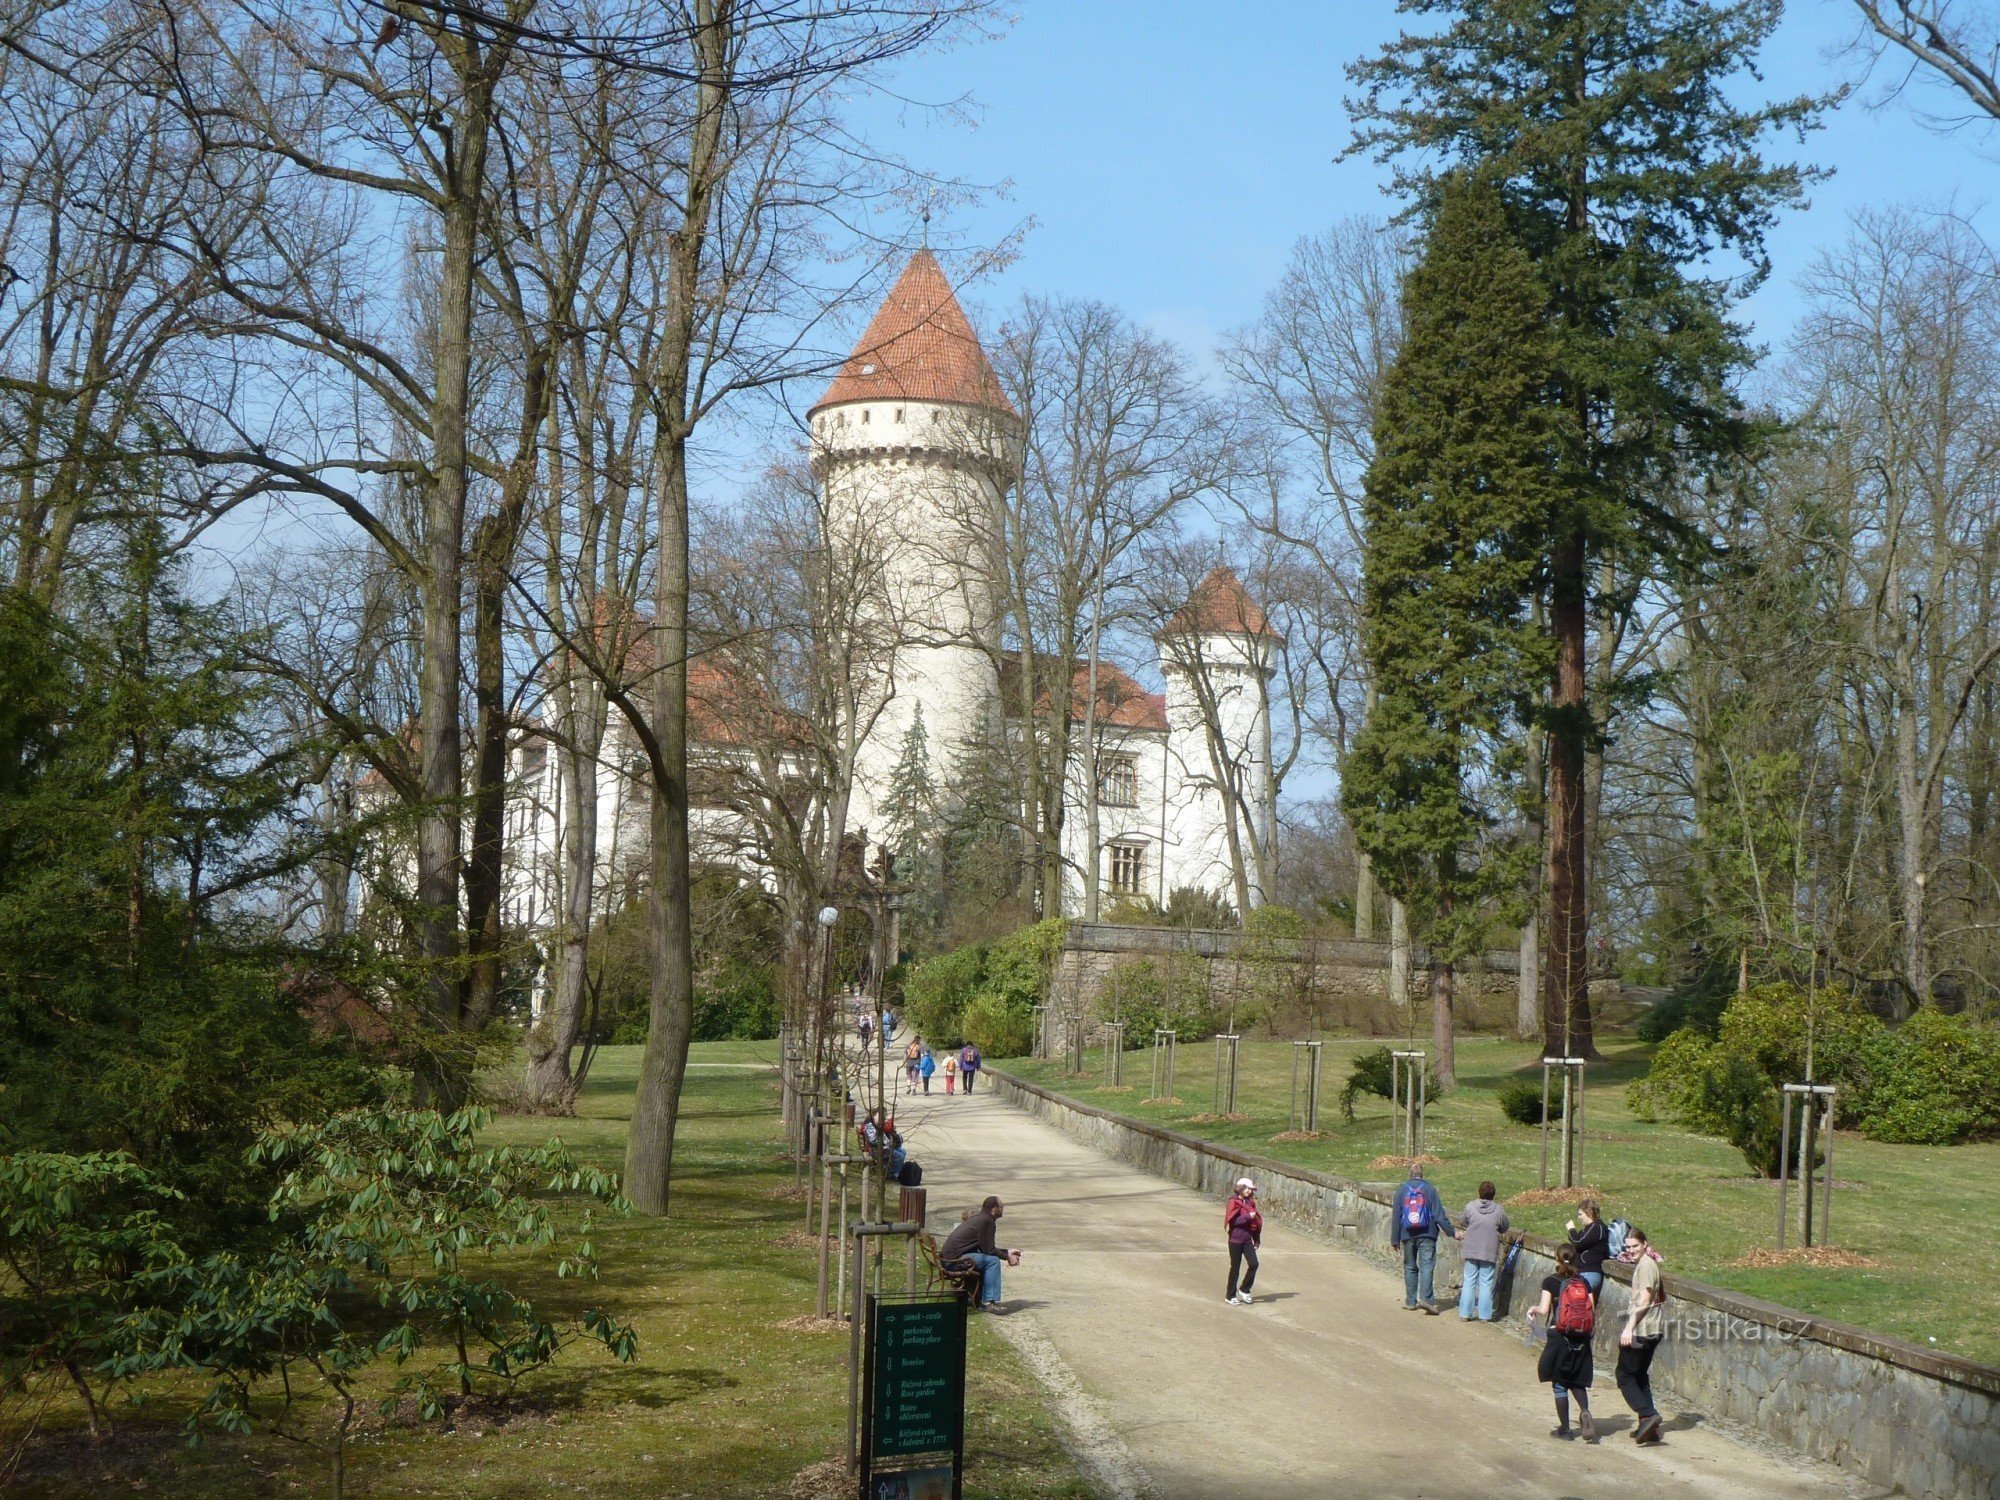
920, 1064
1567, 1311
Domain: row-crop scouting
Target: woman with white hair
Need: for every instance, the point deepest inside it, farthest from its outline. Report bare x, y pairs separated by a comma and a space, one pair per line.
1245, 1227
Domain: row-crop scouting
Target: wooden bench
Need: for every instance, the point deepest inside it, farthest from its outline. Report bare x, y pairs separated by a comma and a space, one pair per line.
964, 1279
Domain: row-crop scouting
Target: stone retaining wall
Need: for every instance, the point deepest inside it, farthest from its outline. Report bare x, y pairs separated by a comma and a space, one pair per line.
1349, 986
1899, 1415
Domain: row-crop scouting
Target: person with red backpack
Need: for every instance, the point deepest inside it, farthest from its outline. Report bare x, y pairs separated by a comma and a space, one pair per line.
1568, 1310
1416, 1221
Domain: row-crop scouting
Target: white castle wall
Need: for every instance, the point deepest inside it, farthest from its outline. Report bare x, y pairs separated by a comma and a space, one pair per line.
913, 492
1233, 668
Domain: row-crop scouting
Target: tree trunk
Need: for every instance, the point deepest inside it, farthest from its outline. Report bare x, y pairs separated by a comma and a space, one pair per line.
1364, 898
1528, 978
649, 1152
1913, 819
1399, 953
1566, 1021
549, 1084
484, 874
443, 1069
1444, 984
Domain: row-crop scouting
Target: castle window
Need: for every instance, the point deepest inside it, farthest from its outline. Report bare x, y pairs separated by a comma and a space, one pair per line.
1128, 869
899, 414
1118, 781
865, 415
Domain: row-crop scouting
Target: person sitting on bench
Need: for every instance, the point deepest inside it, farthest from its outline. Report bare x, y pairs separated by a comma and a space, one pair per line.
881, 1139
972, 1242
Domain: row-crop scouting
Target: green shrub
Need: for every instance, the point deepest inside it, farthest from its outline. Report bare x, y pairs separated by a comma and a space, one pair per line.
738, 1005
1768, 1025
1715, 1090
1937, 1082
1190, 906
1168, 991
1017, 967
1698, 1004
1373, 1072
1521, 1101
1134, 911
1669, 1090
1731, 1097
937, 992
1279, 922
999, 1028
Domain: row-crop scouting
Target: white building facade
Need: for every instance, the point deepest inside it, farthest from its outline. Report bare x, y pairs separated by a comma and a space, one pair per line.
915, 445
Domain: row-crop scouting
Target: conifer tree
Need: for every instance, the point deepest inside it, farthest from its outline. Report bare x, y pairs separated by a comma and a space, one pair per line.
1630, 175
1455, 505
914, 833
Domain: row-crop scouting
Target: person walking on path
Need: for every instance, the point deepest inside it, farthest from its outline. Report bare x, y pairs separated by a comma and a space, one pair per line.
1568, 1311
972, 1242
1639, 1339
969, 1064
913, 1056
1593, 1244
1419, 1218
1244, 1225
1483, 1221
926, 1066
950, 1071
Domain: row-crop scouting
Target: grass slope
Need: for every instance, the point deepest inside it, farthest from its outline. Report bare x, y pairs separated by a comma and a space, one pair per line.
724, 1402
1915, 1209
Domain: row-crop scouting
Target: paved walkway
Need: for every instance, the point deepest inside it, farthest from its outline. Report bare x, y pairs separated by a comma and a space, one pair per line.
1326, 1386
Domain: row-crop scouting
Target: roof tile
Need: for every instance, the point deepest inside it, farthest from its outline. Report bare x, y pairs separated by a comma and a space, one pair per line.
919, 347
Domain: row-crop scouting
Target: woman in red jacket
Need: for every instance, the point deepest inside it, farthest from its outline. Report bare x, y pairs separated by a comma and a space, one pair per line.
1245, 1226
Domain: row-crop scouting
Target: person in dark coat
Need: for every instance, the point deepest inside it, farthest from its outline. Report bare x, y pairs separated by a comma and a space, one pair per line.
972, 1241
1593, 1244
1567, 1362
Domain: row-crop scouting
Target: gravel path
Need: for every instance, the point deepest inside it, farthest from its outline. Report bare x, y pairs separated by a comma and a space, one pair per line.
1325, 1386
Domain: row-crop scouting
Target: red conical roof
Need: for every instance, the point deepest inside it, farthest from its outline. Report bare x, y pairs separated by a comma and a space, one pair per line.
920, 347
1220, 605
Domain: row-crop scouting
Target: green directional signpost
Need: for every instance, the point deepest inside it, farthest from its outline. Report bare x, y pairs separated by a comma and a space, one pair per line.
913, 1422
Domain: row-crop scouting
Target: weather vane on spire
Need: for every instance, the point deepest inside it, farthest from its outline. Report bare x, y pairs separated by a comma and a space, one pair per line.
928, 197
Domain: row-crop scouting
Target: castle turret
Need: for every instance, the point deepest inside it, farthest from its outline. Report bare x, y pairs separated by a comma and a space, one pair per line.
915, 442
1215, 654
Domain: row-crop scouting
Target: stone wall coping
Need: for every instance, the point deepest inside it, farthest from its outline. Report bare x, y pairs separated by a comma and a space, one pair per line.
1788, 1321
1226, 942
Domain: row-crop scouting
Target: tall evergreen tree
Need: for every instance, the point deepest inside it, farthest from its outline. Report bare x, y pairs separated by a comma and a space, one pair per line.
1629, 175
1455, 506
142, 1003
915, 835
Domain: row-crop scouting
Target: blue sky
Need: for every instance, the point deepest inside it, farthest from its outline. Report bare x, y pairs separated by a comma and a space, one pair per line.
1166, 156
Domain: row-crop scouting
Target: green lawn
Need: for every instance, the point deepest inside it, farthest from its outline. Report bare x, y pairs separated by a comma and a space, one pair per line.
1918, 1210
724, 1401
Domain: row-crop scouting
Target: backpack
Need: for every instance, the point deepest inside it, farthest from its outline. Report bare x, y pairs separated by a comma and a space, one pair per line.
969, 1058
1416, 1209
1616, 1233
912, 1174
1576, 1310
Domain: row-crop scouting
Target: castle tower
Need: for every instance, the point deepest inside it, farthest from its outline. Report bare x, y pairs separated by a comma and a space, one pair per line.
1215, 654
914, 444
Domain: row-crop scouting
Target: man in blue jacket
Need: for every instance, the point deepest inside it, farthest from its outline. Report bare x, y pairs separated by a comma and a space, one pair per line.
1419, 1218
